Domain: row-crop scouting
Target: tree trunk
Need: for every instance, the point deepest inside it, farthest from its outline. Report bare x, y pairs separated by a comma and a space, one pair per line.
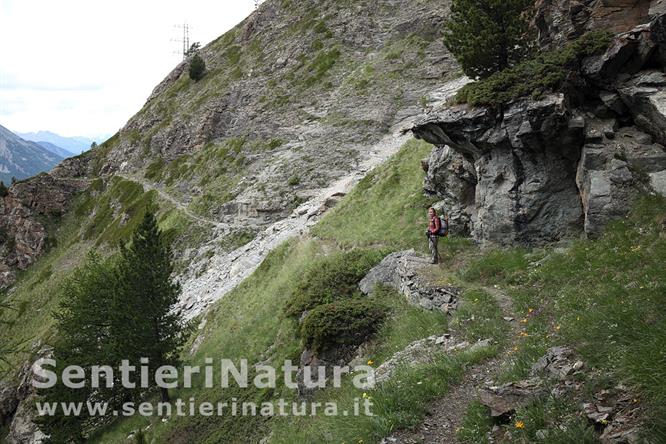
164, 393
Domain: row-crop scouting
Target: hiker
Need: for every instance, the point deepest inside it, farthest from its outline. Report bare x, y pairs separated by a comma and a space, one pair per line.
434, 229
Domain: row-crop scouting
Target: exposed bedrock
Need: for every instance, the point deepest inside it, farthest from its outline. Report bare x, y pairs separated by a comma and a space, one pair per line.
546, 169
512, 174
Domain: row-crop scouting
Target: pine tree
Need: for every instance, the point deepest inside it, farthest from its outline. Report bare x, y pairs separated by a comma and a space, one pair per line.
487, 36
84, 339
3, 189
143, 318
197, 68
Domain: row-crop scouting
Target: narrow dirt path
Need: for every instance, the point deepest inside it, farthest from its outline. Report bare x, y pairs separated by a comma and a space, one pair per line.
147, 186
445, 415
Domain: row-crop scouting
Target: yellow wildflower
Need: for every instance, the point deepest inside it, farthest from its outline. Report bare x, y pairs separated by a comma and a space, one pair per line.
371, 362
520, 425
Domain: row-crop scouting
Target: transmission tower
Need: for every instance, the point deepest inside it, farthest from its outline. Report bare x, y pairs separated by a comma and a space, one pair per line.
185, 39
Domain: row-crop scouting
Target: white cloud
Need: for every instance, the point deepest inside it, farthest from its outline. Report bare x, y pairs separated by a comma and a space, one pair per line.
80, 67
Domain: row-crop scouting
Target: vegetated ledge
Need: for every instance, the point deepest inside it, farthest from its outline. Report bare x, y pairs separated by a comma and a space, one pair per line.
539, 169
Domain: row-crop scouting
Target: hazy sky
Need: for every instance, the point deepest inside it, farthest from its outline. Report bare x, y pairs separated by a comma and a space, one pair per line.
84, 67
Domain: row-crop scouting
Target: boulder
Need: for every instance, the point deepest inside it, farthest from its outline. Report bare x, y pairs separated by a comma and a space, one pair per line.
627, 54
385, 273
505, 399
402, 271
23, 430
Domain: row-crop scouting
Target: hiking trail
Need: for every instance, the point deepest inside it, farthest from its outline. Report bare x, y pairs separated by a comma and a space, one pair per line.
446, 414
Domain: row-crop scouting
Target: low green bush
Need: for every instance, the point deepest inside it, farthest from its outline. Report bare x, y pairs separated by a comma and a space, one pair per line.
330, 279
347, 322
546, 72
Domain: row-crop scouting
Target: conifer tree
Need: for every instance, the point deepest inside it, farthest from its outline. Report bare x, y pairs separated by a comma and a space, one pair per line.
487, 36
3, 189
84, 329
197, 68
144, 320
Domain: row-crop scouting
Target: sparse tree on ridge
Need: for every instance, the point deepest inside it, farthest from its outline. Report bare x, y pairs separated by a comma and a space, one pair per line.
487, 36
197, 68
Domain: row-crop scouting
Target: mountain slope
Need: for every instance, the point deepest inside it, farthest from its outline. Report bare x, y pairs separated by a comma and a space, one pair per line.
21, 159
299, 103
56, 149
296, 97
74, 145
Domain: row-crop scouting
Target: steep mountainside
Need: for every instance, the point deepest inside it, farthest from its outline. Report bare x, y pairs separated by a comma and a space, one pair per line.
289, 172
21, 159
56, 149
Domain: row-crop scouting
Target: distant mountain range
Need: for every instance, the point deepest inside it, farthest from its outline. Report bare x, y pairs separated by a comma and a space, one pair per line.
56, 149
20, 158
74, 145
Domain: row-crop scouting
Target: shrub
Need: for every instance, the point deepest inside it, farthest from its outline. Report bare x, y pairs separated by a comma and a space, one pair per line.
545, 72
197, 68
293, 181
330, 279
487, 36
344, 323
3, 189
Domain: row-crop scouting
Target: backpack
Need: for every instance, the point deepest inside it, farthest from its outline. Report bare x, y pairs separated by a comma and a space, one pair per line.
444, 230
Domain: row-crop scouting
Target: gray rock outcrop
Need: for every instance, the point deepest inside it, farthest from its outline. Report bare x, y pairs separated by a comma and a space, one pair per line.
547, 169
402, 271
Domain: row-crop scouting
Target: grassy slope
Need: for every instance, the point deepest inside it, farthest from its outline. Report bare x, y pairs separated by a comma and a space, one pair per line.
385, 211
254, 312
575, 294
604, 298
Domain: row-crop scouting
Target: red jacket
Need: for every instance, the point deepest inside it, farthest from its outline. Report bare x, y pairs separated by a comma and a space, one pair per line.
435, 225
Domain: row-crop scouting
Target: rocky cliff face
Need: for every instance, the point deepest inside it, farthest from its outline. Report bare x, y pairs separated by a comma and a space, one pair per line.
568, 163
558, 21
26, 209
